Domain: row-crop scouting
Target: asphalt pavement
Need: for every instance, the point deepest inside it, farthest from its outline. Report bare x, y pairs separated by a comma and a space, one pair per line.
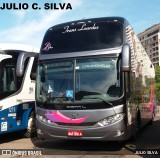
145, 145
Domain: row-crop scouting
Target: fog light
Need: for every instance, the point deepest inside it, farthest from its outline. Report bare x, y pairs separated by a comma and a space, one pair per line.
119, 133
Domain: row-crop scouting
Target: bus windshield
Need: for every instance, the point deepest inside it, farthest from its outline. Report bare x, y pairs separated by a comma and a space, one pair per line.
80, 80
85, 36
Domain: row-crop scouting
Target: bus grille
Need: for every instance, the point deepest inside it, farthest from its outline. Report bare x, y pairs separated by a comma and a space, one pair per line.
76, 124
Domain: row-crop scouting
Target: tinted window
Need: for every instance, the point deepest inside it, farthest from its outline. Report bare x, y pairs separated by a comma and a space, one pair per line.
10, 83
83, 37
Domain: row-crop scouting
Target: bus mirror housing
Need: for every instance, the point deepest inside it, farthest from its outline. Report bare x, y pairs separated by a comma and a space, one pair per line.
126, 58
21, 61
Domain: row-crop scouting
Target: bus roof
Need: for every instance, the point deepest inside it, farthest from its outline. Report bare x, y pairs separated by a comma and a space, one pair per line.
20, 47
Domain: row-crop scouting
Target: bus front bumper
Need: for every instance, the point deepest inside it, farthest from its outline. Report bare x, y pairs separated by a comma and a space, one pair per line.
114, 132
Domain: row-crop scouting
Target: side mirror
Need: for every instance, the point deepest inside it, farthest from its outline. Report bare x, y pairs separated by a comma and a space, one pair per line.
21, 60
126, 58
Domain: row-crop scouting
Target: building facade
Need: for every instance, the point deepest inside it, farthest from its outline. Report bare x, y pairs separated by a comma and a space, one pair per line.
140, 62
150, 39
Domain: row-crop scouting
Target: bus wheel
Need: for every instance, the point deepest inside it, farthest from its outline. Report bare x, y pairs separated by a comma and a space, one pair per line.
137, 127
31, 128
151, 121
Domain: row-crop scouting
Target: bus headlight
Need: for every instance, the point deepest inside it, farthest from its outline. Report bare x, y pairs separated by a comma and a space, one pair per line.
111, 119
43, 119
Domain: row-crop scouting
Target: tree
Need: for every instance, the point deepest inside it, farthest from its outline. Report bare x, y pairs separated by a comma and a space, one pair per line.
157, 85
157, 74
158, 91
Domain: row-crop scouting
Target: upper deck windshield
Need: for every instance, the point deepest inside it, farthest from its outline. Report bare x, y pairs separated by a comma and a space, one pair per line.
83, 36
80, 81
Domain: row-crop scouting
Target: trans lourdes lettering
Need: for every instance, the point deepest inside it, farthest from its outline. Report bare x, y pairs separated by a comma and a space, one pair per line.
83, 28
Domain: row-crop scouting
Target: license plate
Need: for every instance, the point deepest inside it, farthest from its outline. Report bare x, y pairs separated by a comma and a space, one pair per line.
75, 133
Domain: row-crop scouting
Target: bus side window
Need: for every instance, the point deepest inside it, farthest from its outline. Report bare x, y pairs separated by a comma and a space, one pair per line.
34, 69
8, 78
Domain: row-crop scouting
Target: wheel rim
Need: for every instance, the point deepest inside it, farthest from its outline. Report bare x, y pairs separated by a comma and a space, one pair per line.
31, 127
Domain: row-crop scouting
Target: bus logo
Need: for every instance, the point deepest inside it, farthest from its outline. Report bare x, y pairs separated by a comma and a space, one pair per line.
48, 46
74, 116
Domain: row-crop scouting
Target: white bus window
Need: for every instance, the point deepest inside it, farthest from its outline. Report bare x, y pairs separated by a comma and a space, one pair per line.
8, 78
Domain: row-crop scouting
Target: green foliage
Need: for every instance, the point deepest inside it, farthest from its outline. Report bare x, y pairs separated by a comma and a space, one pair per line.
157, 85
158, 91
157, 73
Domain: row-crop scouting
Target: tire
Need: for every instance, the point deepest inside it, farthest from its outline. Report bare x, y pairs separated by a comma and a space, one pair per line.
31, 127
138, 124
151, 121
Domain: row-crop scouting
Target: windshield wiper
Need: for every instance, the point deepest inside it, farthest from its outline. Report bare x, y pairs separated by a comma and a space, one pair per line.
105, 101
80, 94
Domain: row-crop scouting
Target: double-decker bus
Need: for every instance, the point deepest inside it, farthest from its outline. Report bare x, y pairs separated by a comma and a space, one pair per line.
17, 88
91, 78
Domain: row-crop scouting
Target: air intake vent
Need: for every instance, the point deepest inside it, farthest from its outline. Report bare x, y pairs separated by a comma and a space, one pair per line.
76, 124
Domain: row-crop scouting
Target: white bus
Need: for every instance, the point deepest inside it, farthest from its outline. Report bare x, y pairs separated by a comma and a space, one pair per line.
17, 88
